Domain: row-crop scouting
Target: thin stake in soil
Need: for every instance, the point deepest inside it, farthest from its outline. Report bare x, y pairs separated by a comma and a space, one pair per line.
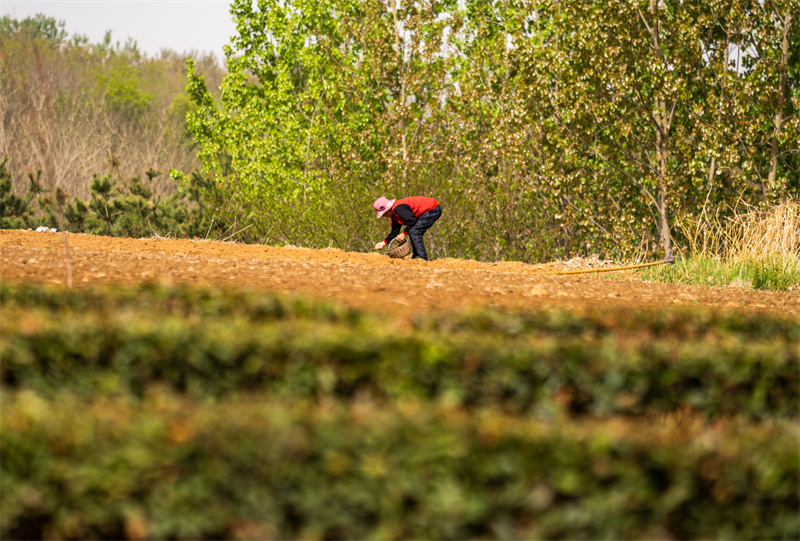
69, 261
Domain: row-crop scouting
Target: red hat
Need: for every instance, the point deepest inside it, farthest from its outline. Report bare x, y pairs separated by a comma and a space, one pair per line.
382, 205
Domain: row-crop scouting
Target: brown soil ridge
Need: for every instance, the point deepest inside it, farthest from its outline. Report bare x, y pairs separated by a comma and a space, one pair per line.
369, 281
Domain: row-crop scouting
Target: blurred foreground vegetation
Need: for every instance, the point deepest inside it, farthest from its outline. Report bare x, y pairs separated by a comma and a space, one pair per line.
175, 412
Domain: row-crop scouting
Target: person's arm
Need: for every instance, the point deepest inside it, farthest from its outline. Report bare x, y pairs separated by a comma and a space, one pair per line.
395, 231
408, 216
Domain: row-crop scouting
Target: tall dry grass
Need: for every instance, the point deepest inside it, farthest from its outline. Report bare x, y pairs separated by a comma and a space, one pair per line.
753, 234
770, 233
755, 247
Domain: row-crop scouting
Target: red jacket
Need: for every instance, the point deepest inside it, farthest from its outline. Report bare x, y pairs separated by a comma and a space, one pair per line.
419, 205
407, 210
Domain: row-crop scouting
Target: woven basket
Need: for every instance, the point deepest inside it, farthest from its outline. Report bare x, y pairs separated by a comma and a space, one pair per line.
401, 250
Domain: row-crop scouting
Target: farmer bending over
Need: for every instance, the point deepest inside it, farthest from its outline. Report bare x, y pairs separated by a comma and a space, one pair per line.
418, 214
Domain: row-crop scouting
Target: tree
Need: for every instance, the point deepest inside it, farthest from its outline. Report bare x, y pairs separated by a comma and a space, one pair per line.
625, 72
324, 102
772, 24
67, 106
546, 127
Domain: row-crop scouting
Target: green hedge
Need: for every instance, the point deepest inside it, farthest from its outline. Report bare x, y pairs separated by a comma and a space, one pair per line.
176, 412
187, 301
168, 467
217, 344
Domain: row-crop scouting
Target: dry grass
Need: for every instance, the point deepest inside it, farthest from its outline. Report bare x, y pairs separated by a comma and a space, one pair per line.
750, 236
771, 233
757, 246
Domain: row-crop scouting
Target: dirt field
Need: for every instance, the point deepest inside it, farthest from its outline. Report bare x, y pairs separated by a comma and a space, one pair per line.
367, 281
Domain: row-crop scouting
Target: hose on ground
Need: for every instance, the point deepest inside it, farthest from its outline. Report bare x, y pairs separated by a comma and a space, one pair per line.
670, 260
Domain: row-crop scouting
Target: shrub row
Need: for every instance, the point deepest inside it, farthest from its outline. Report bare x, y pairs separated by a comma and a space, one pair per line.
680, 323
167, 467
186, 301
181, 300
340, 354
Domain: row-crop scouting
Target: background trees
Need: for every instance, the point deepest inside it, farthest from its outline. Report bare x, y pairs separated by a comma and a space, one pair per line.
546, 128
67, 107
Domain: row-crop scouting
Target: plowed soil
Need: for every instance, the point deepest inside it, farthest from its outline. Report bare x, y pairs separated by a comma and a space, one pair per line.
369, 281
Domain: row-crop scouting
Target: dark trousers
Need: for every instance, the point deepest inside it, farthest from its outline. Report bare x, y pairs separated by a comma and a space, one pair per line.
416, 231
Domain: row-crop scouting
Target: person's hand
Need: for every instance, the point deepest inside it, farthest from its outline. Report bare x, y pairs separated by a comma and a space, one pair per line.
380, 245
400, 238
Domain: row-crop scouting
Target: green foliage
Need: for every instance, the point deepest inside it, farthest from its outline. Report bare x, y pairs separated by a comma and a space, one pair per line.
253, 468
172, 412
213, 344
39, 26
130, 210
336, 116
15, 212
19, 213
121, 89
775, 274
574, 129
116, 208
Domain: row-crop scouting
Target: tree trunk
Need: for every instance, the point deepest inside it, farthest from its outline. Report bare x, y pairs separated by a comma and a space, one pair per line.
663, 120
778, 118
662, 135
401, 66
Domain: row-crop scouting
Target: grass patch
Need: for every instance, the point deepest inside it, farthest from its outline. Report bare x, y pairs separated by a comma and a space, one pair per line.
766, 273
775, 274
